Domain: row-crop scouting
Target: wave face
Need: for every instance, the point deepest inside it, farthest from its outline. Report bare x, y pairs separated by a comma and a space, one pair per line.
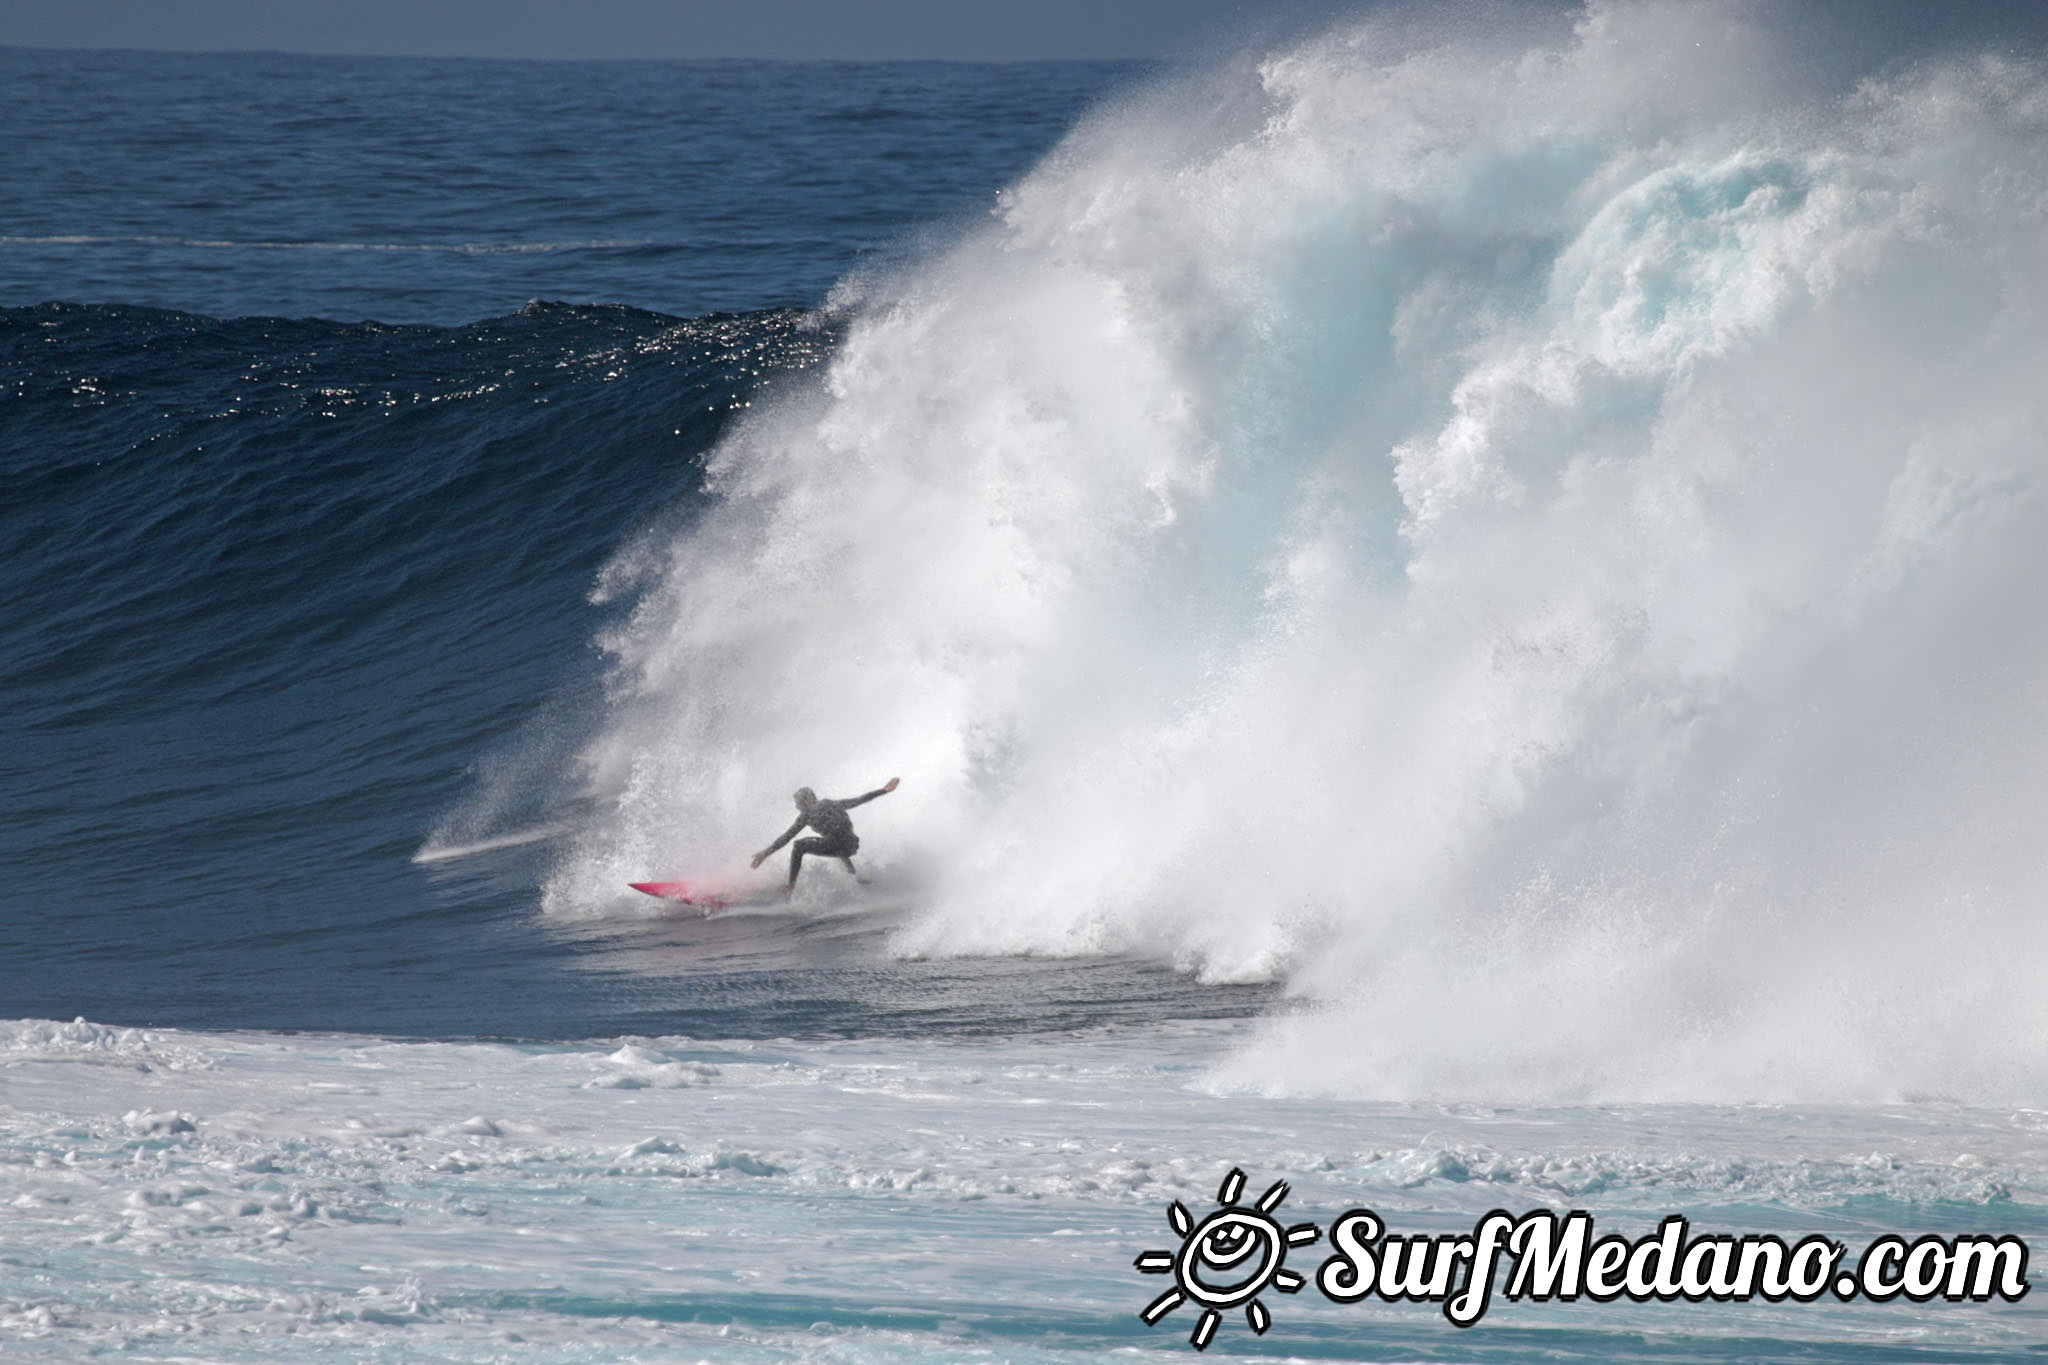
1534, 540
267, 587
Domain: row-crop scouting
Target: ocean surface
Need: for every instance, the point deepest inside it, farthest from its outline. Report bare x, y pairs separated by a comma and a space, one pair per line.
1456, 608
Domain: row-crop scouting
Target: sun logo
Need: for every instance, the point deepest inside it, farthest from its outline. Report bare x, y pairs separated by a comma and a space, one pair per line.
1227, 1259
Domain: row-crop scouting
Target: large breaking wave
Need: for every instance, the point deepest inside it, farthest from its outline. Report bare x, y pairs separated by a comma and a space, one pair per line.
1536, 541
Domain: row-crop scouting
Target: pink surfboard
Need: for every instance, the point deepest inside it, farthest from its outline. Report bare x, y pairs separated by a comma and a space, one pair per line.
705, 895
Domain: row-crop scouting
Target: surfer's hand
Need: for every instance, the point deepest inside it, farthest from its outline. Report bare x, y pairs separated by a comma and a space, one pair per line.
892, 784
760, 858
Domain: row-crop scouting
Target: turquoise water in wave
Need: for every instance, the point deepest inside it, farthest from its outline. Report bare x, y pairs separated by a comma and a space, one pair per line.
1454, 608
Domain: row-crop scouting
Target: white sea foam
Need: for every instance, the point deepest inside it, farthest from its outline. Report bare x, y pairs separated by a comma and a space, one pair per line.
437, 851
352, 1198
1538, 547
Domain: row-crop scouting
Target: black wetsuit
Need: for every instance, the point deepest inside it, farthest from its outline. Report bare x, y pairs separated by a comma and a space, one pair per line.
836, 837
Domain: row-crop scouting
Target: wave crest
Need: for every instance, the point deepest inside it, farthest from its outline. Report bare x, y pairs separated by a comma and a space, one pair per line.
1533, 543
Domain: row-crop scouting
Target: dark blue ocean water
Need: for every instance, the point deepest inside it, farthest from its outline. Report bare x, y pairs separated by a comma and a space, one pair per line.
275, 578
411, 190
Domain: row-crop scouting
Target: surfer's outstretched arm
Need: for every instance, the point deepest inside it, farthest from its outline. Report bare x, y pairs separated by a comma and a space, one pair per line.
852, 801
787, 835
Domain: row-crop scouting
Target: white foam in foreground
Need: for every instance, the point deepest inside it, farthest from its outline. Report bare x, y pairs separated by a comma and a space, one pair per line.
167, 1195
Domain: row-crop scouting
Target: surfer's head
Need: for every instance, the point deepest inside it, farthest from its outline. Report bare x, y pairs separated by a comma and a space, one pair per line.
805, 798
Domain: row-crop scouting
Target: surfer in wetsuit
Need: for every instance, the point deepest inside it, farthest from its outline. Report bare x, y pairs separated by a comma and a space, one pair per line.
836, 838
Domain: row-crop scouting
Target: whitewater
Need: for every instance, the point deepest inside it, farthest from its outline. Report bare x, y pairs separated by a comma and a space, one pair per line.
1452, 598
1533, 548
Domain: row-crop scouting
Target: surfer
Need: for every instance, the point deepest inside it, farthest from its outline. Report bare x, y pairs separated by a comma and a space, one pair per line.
836, 838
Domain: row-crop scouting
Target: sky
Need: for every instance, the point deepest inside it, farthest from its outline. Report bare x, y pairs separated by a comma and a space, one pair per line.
967, 30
